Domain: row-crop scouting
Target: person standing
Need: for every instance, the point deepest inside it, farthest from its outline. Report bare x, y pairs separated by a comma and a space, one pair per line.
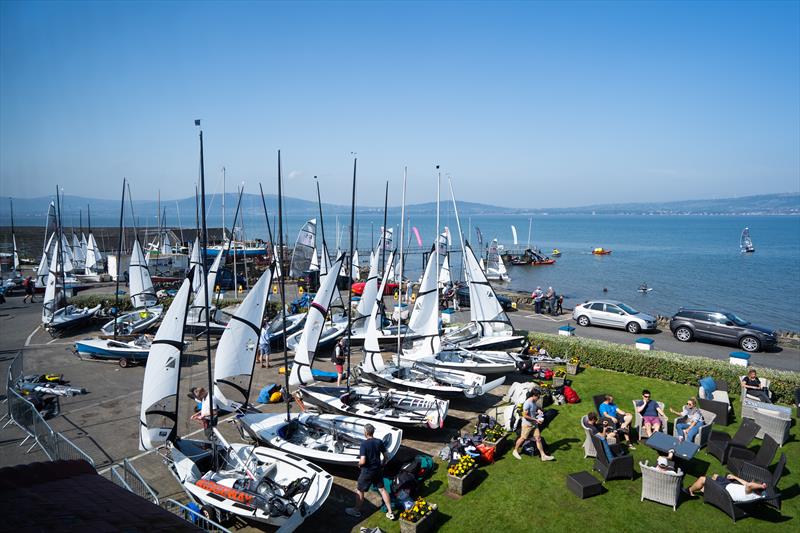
263, 346
339, 359
532, 416
372, 456
28, 285
537, 300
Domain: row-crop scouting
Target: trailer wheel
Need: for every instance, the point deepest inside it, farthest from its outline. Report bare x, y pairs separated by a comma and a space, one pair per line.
123, 362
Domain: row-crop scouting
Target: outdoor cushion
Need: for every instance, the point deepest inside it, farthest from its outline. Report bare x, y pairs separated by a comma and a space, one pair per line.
709, 386
721, 396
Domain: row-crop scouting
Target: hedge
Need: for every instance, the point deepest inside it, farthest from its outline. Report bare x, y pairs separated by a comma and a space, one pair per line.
668, 366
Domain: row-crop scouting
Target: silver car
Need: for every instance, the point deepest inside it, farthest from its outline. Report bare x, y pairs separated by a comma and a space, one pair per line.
614, 314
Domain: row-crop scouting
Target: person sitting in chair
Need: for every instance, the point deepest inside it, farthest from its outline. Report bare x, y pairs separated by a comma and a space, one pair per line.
621, 419
753, 386
739, 489
691, 420
651, 414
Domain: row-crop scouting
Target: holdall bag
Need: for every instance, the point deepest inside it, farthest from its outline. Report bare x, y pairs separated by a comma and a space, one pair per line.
571, 395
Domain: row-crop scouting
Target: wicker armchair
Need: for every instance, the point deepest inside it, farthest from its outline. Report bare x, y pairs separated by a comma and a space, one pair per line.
719, 403
588, 446
720, 444
716, 495
640, 425
765, 383
737, 457
772, 423
618, 467
756, 473
661, 486
702, 436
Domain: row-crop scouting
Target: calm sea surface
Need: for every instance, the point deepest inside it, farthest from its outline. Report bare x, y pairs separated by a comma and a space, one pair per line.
687, 260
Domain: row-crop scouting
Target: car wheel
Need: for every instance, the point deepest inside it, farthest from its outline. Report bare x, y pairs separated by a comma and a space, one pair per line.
750, 344
683, 334
633, 327
583, 321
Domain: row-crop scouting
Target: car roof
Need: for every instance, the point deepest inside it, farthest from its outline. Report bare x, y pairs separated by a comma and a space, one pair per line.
698, 310
615, 302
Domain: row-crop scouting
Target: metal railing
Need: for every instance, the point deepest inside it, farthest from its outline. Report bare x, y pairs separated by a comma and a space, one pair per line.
127, 477
190, 515
23, 413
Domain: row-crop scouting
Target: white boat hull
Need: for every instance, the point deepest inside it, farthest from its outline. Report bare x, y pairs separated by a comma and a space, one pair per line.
276, 465
271, 429
134, 322
396, 408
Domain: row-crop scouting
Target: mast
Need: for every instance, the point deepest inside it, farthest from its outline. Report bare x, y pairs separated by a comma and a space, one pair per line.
119, 258
14, 240
59, 252
350, 278
400, 285
180, 226
383, 237
438, 184
223, 219
204, 251
460, 235
283, 288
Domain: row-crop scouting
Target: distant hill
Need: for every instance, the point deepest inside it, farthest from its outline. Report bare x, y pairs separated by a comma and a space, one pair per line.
32, 211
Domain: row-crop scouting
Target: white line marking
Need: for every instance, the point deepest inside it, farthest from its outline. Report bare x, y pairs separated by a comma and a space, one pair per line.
28, 340
51, 342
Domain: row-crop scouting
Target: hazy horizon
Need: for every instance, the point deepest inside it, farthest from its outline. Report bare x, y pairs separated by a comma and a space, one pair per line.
523, 104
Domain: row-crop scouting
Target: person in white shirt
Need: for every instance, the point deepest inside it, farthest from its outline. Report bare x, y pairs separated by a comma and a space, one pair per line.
263, 346
739, 489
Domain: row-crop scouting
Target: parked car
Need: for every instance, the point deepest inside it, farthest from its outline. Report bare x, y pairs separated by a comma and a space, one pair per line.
614, 314
462, 293
721, 326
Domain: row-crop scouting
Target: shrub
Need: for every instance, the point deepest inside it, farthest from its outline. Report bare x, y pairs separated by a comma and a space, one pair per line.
106, 301
668, 366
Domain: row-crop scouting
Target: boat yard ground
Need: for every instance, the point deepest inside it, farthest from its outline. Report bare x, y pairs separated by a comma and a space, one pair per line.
104, 422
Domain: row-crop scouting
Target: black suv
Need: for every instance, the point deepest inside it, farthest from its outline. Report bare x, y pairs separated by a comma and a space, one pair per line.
721, 326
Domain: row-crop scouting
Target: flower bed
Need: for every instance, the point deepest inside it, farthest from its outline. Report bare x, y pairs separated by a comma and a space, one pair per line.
421, 518
461, 476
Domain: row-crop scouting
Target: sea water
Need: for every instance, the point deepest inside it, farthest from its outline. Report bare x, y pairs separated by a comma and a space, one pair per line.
687, 260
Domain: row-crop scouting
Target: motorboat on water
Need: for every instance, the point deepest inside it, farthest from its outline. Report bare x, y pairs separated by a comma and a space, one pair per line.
556, 252
601, 251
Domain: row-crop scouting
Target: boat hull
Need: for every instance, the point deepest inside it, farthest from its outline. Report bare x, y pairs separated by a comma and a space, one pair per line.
271, 429
110, 349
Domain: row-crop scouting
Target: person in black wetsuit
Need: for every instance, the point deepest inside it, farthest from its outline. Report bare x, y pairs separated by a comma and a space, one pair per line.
372, 456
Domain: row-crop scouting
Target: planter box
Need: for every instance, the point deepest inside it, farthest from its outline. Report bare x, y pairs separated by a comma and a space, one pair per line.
644, 343
572, 370
558, 381
499, 445
566, 331
461, 485
424, 525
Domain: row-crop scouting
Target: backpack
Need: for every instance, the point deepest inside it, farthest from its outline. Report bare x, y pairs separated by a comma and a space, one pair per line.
25, 282
548, 374
570, 395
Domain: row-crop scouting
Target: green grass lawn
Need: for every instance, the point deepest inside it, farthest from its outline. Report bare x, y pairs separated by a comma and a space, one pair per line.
531, 495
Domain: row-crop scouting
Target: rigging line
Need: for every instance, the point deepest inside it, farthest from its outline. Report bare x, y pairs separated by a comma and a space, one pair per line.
283, 288
350, 278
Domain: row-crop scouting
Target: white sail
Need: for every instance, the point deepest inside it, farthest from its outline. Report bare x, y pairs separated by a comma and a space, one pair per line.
424, 321
745, 242
206, 292
303, 249
66, 256
444, 272
482, 265
16, 255
84, 244
314, 266
49, 302
278, 259
236, 351
93, 256
158, 418
370, 287
514, 234
389, 267
355, 267
484, 308
324, 270
166, 246
373, 362
77, 253
196, 263
139, 282
315, 322
386, 239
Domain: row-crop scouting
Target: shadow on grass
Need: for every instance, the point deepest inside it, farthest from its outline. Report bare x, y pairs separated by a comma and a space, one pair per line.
561, 444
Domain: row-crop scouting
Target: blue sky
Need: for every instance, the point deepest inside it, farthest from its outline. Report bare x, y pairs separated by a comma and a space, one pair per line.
523, 103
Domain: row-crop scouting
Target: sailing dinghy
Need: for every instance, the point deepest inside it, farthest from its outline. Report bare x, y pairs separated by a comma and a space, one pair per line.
746, 243
253, 483
202, 303
495, 268
417, 376
489, 327
329, 438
